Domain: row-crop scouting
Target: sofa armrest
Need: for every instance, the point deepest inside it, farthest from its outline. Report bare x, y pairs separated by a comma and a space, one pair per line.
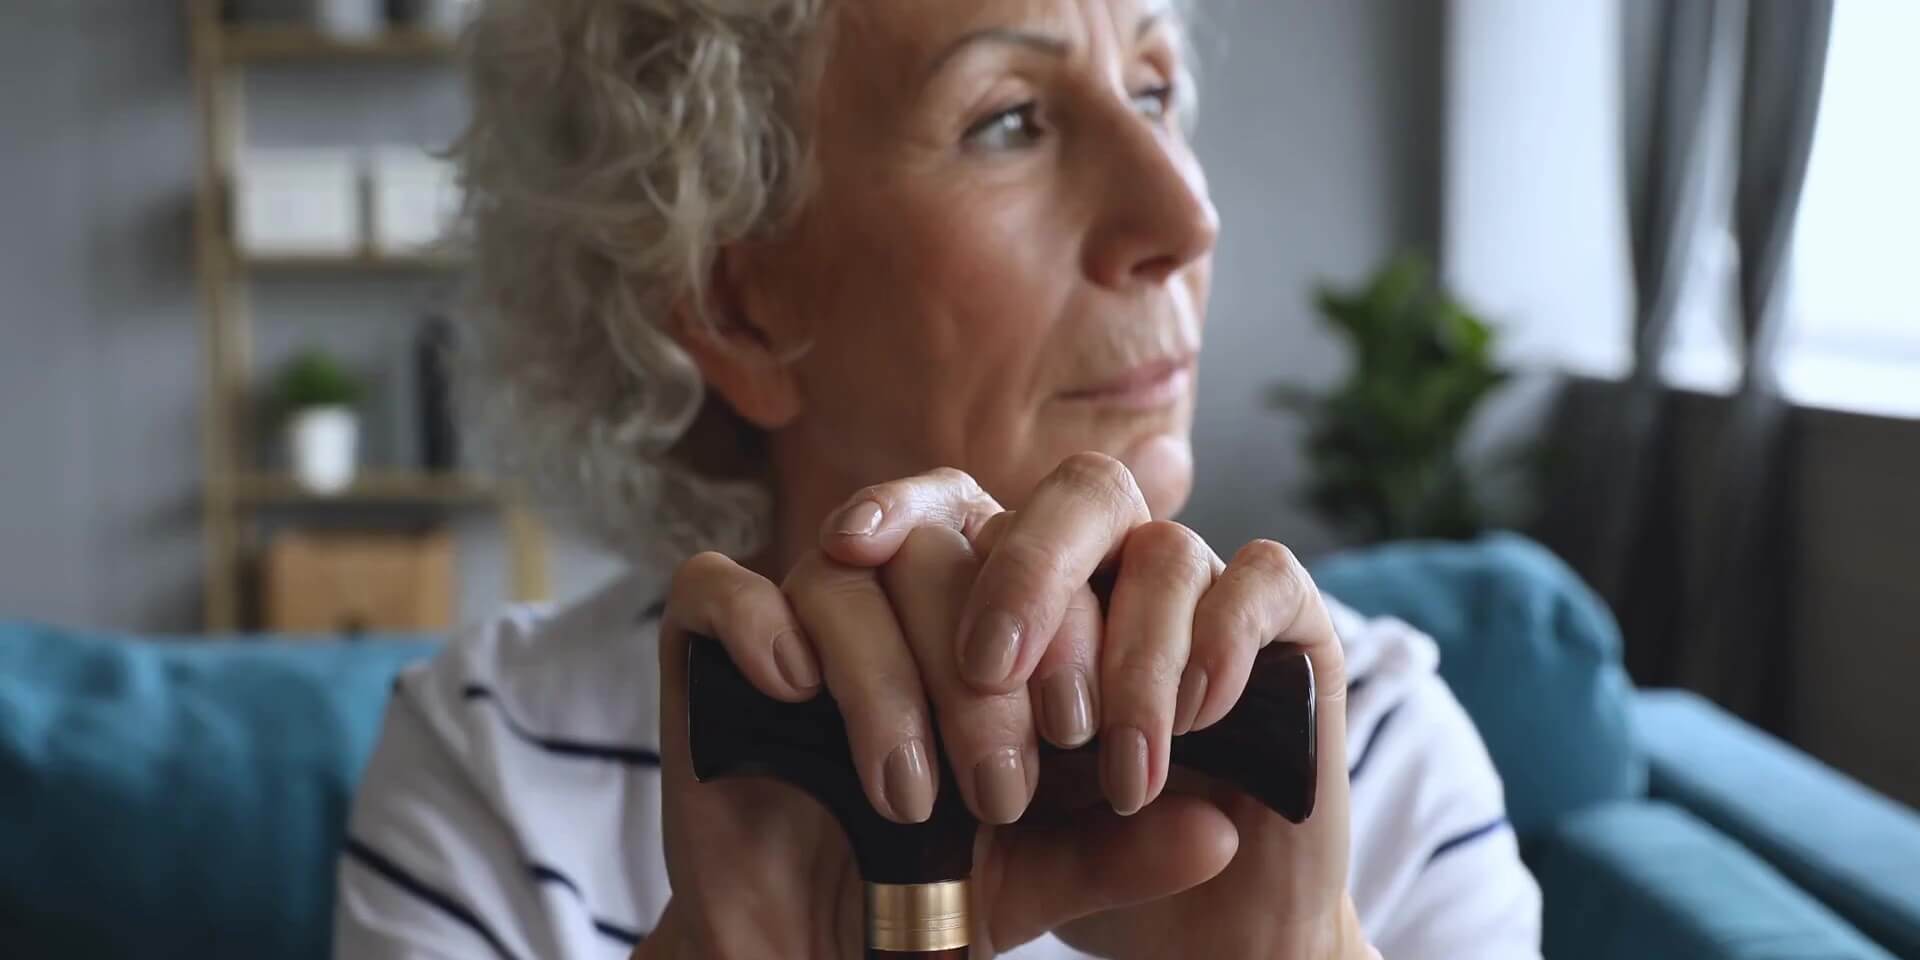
1857, 851
1647, 879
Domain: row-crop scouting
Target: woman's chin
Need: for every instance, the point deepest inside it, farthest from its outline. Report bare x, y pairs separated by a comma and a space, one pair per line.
1162, 466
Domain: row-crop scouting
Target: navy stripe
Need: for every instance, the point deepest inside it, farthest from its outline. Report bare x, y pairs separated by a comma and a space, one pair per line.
1356, 684
1366, 749
626, 936
372, 860
654, 612
632, 756
1460, 840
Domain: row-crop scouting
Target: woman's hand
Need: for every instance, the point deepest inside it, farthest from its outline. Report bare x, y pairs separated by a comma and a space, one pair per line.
1181, 632
759, 869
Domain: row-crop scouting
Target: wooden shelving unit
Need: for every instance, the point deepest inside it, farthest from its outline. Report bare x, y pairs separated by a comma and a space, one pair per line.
234, 491
369, 487
359, 263
270, 44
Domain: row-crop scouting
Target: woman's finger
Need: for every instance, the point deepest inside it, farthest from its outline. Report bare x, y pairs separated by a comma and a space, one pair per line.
865, 530
1048, 875
713, 596
874, 680
1164, 571
1257, 599
989, 738
1065, 694
1075, 521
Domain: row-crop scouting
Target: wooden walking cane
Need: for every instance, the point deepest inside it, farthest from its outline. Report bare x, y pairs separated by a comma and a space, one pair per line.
916, 875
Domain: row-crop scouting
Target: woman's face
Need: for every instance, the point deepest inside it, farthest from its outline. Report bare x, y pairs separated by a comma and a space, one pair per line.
1004, 254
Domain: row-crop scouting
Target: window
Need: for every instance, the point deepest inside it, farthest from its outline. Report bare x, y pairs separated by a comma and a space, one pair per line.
1854, 336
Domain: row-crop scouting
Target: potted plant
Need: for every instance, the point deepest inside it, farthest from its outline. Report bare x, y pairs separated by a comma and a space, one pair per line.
1385, 445
316, 398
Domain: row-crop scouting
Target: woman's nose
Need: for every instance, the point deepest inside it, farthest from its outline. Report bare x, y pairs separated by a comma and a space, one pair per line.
1154, 216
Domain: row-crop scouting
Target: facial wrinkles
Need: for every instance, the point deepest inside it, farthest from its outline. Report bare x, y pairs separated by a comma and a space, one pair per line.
1074, 335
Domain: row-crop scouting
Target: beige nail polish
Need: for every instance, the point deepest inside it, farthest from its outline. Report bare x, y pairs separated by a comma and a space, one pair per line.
1123, 755
1193, 695
908, 782
1000, 786
795, 662
1068, 708
993, 649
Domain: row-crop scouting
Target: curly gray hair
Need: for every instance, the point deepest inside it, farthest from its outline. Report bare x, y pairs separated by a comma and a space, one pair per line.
615, 147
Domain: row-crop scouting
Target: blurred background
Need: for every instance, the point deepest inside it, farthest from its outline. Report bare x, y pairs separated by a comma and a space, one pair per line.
1634, 279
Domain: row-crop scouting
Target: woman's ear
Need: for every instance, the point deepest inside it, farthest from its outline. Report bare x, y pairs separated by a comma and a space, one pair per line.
743, 358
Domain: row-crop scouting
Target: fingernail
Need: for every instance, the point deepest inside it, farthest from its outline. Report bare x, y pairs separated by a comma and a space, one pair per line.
988, 658
859, 520
795, 662
1193, 693
909, 782
1124, 756
1000, 786
1068, 707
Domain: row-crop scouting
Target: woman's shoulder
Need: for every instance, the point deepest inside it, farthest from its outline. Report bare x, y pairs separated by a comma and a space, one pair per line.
586, 672
1404, 725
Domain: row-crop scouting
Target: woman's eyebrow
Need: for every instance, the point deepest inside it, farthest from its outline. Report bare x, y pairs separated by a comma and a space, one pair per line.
1047, 43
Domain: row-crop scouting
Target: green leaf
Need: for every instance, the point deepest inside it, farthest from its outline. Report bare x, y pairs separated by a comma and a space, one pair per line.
314, 379
1383, 445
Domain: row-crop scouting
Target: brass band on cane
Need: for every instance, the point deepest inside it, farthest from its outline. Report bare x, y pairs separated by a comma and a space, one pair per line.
917, 916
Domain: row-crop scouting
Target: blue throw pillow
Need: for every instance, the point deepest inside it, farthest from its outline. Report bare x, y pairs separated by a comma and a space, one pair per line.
174, 799
1529, 650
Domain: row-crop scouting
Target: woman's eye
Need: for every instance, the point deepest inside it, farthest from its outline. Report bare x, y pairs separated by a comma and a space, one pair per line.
1155, 102
1009, 129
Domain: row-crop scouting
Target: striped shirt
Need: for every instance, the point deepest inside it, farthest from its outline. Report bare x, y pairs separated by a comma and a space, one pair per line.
512, 806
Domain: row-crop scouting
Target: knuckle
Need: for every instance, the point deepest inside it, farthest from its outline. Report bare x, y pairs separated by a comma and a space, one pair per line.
1169, 555
1141, 673
818, 577
1100, 478
698, 571
1270, 558
887, 495
1229, 625
1025, 565
953, 477
924, 543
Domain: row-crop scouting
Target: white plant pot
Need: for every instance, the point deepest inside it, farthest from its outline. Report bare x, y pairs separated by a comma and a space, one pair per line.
323, 444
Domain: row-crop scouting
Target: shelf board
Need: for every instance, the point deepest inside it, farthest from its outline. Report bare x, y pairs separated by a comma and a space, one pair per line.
370, 262
268, 43
393, 487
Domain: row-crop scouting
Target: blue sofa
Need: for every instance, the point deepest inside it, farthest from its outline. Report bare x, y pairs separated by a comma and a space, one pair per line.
185, 798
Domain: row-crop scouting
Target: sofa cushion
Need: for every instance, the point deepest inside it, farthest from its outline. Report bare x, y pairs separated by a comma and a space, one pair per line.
179, 798
1646, 879
1528, 649
1854, 849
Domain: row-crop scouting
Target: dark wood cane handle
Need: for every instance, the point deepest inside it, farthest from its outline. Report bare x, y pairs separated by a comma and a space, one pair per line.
1265, 746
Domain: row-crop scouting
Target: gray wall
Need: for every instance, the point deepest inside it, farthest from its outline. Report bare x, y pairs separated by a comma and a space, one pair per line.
1318, 133
1319, 127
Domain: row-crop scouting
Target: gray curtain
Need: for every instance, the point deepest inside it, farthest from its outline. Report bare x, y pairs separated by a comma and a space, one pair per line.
1702, 598
1675, 56
1737, 639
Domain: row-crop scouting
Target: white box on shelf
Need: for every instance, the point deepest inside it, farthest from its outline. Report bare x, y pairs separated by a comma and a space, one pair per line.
448, 17
351, 19
415, 200
297, 203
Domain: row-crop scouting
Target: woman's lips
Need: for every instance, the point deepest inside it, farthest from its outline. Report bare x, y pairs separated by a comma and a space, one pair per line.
1145, 387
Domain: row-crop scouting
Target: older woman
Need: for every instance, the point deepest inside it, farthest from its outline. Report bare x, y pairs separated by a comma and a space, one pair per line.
894, 305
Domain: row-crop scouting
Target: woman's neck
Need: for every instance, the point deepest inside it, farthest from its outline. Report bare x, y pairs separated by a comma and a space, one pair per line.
804, 493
